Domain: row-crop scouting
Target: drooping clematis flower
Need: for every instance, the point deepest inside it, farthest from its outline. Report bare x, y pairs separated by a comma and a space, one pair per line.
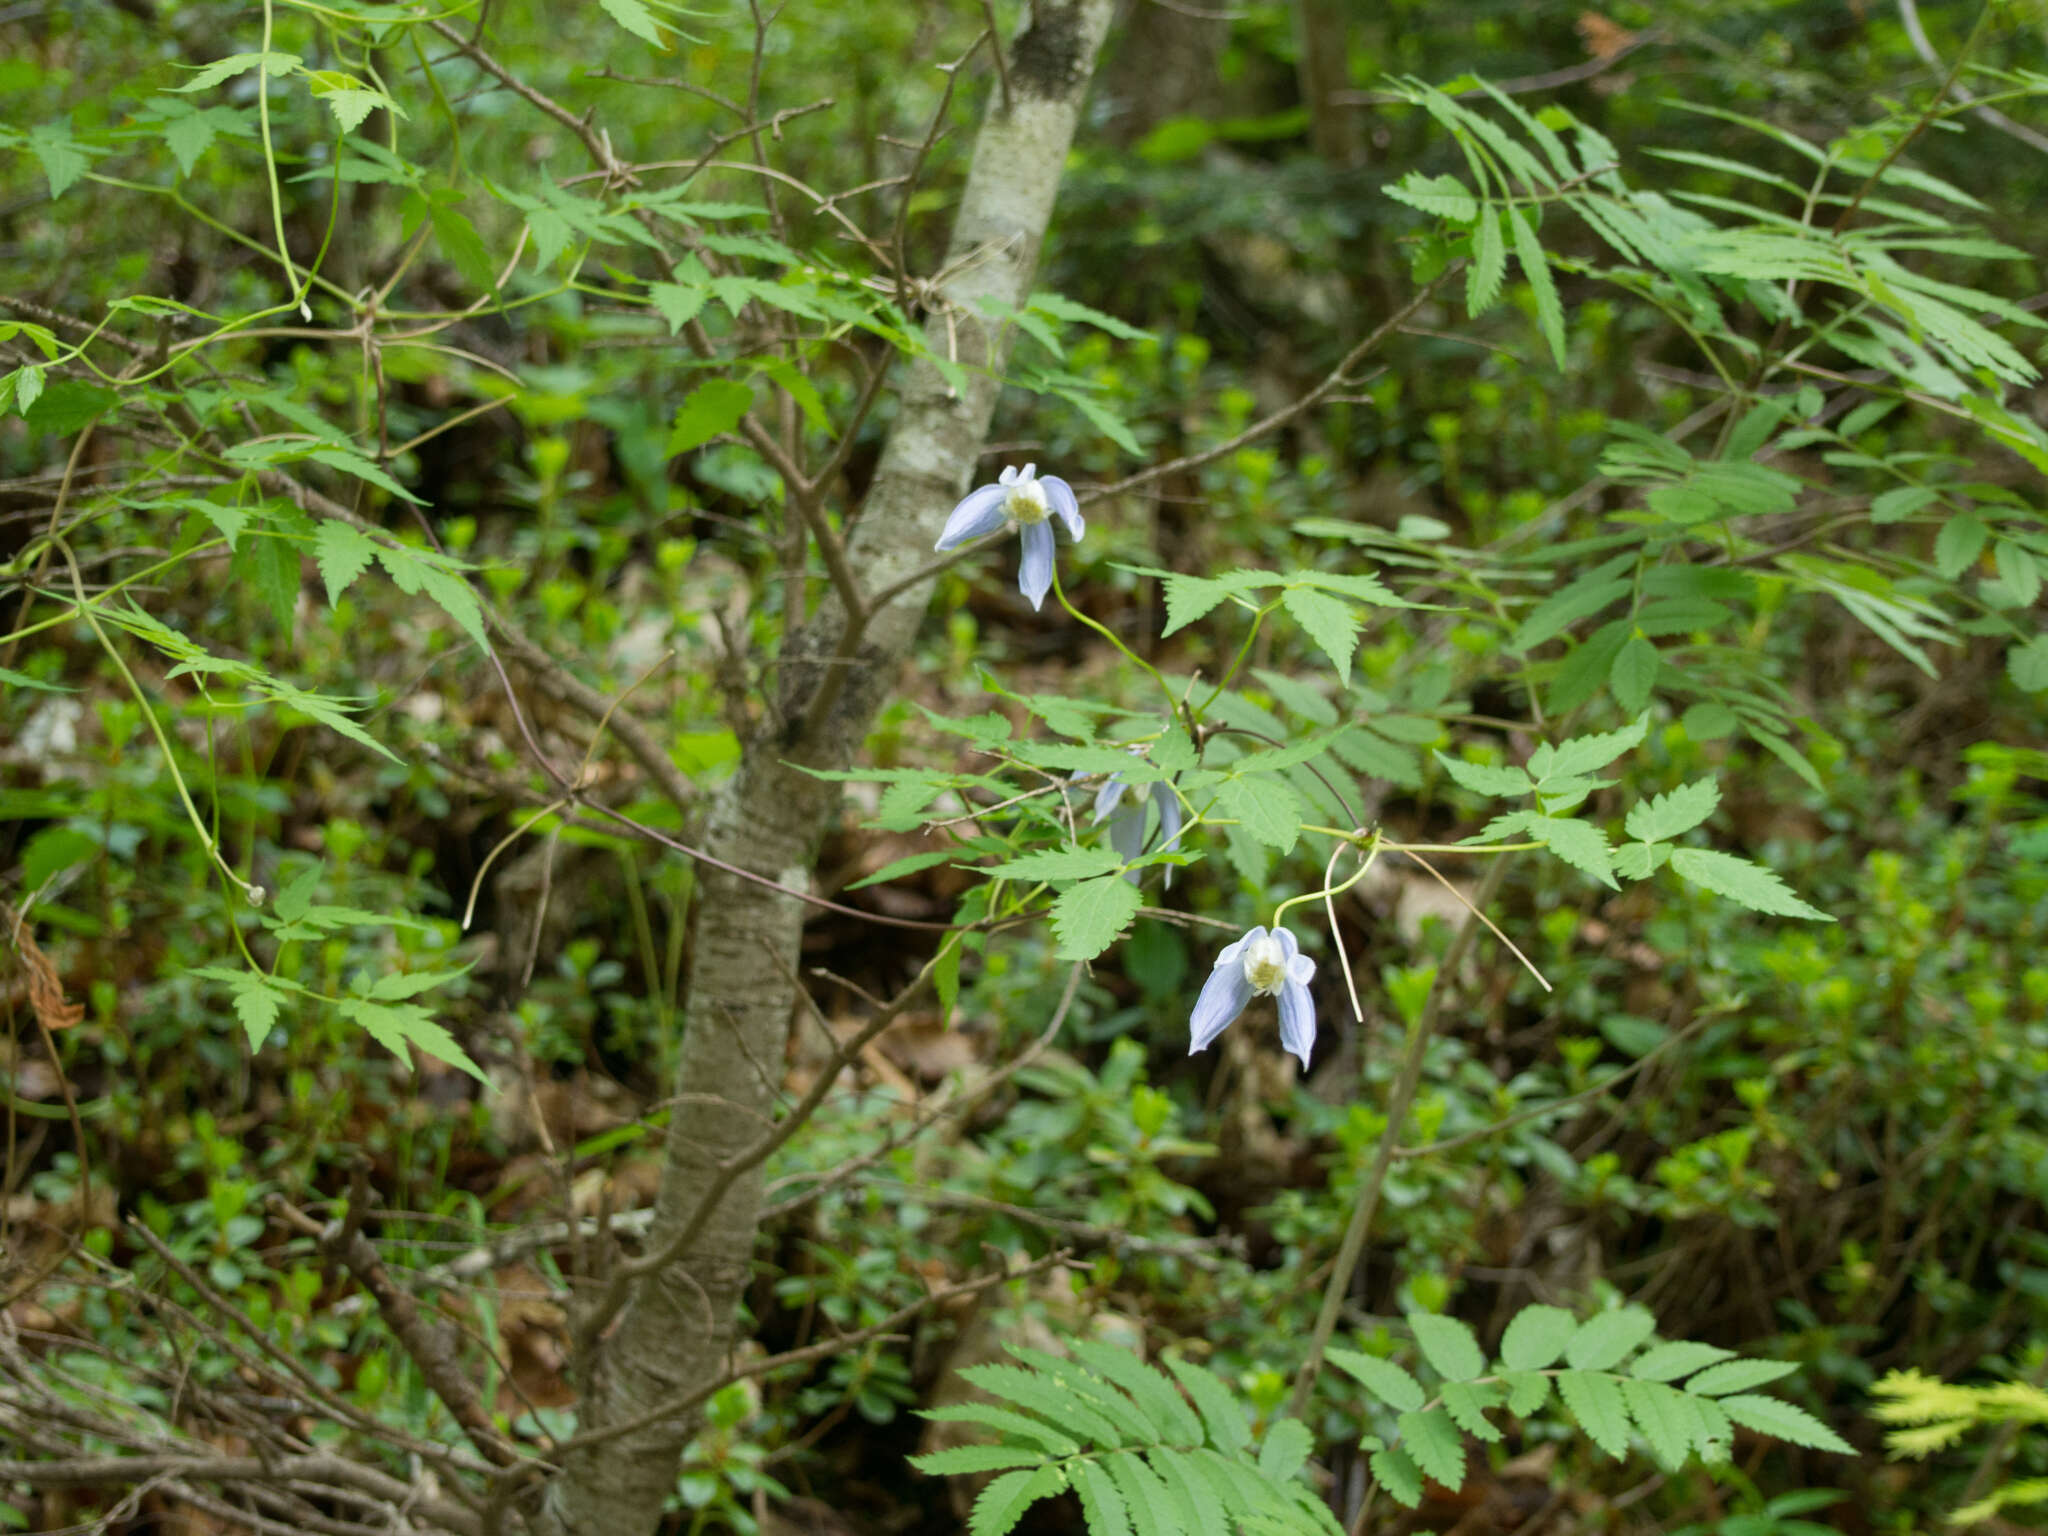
1123, 807
1019, 497
1260, 964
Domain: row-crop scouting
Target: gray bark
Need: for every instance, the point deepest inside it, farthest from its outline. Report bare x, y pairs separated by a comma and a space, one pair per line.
677, 1330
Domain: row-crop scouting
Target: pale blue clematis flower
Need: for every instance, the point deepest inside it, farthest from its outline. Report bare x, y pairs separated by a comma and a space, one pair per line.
1123, 807
1019, 497
1260, 964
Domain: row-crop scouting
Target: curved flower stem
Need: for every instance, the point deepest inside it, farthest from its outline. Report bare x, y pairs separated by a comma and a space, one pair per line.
1370, 848
1060, 592
1367, 1204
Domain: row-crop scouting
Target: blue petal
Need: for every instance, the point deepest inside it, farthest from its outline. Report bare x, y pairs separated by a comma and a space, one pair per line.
1110, 796
1060, 497
1169, 821
1127, 831
1222, 1000
1231, 952
1297, 1020
979, 512
1034, 575
1288, 947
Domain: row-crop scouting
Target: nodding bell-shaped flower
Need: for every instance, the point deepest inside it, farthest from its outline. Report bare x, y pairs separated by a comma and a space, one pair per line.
1123, 807
1022, 498
1260, 964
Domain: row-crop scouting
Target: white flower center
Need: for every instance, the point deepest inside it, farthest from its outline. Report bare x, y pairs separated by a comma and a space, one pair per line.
1265, 964
1026, 502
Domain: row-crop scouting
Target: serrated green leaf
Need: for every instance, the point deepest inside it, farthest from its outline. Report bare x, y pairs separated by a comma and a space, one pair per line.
1007, 1422
52, 851
355, 464
1285, 1450
1145, 1497
1222, 1417
1895, 506
679, 305
1175, 1423
239, 64
396, 986
1537, 1336
1192, 1511
976, 1458
1664, 817
1364, 751
1448, 1345
257, 1001
1062, 308
2027, 665
1445, 197
1527, 1391
342, 554
713, 407
1088, 917
15, 679
1102, 1507
1579, 843
636, 19
1633, 674
1605, 1339
1485, 778
414, 572
1467, 1401
1595, 1400
1786, 1421
1549, 311
1668, 1362
1003, 1502
1382, 1378
395, 1026
269, 566
2018, 572
1666, 1418
1331, 623
1489, 264
1737, 1376
1585, 754
1395, 1471
1581, 599
1058, 864
1740, 881
1266, 807
1959, 544
1432, 1440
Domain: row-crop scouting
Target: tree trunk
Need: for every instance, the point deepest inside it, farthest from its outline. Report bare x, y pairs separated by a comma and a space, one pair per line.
1322, 41
677, 1330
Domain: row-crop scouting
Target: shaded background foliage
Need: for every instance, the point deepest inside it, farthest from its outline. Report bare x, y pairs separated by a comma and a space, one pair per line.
1843, 1162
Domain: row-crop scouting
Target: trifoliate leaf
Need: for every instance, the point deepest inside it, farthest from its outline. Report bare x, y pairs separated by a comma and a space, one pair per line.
1746, 884
1664, 817
1089, 916
1537, 1337
1448, 1345
1331, 623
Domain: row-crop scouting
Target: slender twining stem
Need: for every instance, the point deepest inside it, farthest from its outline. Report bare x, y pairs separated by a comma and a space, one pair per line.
1367, 1204
1371, 849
